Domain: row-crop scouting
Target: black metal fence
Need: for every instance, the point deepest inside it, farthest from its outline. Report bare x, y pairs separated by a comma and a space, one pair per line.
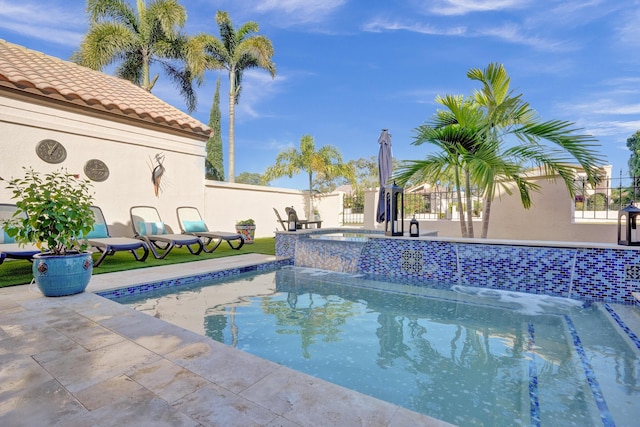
599, 202
604, 200
353, 209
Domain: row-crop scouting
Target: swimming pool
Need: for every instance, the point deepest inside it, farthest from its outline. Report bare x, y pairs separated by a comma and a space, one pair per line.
468, 356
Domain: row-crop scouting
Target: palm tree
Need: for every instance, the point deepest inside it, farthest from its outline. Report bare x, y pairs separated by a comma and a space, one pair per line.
463, 154
136, 39
472, 135
236, 50
327, 161
507, 116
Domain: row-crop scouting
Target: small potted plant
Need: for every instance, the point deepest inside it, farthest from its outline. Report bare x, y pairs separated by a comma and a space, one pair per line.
53, 212
247, 228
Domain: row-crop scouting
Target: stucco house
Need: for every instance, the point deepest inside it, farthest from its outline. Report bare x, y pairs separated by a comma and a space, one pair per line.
54, 113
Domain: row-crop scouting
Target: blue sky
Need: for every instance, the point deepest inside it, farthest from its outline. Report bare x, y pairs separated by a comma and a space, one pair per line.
346, 69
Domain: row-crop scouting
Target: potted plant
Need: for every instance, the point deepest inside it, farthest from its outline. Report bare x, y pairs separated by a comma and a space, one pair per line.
54, 211
247, 228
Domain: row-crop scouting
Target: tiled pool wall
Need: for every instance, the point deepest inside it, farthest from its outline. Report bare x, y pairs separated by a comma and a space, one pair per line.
188, 280
589, 274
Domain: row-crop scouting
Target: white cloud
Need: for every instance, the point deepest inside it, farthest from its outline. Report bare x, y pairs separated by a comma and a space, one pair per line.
614, 128
50, 22
463, 7
514, 33
291, 12
257, 89
379, 25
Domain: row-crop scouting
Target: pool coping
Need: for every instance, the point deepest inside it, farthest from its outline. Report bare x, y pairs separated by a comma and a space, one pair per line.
115, 366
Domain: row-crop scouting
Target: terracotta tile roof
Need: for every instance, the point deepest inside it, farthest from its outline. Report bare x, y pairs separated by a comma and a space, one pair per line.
33, 72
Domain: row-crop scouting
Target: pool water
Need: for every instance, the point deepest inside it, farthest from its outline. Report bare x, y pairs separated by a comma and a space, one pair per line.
468, 356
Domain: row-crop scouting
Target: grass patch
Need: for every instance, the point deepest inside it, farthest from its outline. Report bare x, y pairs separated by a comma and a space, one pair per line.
18, 272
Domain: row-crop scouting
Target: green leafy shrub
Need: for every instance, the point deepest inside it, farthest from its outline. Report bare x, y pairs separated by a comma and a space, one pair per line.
53, 211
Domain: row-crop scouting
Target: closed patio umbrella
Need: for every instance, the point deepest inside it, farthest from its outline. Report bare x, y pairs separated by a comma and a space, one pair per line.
385, 169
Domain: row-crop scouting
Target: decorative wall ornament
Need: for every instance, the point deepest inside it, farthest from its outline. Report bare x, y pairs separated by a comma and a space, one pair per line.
96, 170
51, 151
157, 172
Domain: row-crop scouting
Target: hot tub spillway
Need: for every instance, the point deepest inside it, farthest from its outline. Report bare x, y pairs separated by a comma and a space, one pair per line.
339, 253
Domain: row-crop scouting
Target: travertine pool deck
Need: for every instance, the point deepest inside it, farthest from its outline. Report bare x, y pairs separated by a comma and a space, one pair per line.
84, 360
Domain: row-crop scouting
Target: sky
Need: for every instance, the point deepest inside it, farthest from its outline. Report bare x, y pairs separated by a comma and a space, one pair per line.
348, 68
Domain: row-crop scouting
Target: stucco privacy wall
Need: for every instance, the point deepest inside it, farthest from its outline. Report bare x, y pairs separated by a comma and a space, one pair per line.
128, 150
549, 219
225, 203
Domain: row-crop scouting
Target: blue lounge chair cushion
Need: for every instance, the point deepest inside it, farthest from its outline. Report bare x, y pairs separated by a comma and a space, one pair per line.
99, 231
194, 226
4, 238
150, 228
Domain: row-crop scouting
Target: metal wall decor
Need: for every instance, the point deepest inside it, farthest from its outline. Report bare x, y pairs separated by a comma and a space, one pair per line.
51, 151
157, 172
96, 170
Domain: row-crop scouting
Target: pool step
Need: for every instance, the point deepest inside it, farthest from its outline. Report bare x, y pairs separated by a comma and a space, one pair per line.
636, 295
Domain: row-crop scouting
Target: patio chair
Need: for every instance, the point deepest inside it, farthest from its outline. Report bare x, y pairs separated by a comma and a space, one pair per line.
8, 247
191, 223
280, 220
100, 239
300, 223
148, 226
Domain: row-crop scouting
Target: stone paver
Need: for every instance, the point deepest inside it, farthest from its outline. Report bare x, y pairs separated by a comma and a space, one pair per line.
83, 360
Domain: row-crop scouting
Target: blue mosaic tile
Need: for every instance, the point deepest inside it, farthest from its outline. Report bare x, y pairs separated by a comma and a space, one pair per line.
603, 408
633, 337
606, 275
147, 287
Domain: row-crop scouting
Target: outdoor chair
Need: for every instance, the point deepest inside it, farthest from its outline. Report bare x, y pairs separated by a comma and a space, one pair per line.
8, 247
191, 223
300, 223
280, 220
148, 226
100, 239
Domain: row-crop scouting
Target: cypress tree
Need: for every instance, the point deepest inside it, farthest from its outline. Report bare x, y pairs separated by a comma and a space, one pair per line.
214, 168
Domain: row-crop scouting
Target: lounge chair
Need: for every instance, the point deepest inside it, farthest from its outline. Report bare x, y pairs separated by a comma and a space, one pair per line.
300, 223
148, 226
100, 239
8, 247
280, 220
2, 257
191, 223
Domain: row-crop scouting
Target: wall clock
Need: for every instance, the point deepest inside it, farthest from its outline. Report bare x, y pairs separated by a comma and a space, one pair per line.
51, 151
96, 170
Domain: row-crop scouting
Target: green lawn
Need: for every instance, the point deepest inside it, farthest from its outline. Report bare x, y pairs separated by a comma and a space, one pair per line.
19, 272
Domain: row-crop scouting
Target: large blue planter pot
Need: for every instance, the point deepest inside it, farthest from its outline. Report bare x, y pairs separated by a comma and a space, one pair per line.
59, 275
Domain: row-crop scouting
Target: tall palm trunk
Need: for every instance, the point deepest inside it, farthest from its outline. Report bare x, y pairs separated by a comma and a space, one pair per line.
486, 211
232, 114
463, 225
467, 184
309, 206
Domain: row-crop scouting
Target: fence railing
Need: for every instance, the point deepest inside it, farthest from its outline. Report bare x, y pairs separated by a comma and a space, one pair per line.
604, 200
353, 209
600, 202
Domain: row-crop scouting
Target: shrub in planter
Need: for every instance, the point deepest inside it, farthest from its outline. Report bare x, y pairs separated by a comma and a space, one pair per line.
53, 211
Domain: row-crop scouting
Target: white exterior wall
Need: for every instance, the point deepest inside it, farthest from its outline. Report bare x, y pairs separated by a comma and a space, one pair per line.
226, 203
549, 219
126, 149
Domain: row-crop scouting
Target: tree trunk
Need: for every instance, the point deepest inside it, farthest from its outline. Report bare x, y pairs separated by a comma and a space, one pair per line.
310, 207
486, 212
467, 184
232, 109
463, 225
